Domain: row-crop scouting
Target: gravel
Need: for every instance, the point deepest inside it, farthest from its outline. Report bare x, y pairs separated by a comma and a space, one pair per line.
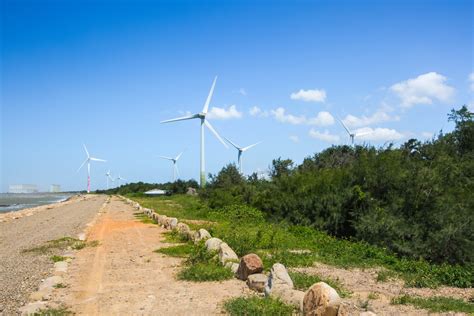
21, 272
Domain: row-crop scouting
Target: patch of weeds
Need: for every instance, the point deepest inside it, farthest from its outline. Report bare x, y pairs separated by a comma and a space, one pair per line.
58, 311
244, 306
61, 243
142, 217
303, 282
373, 296
93, 243
386, 275
180, 251
60, 286
174, 237
436, 304
58, 258
205, 271
365, 305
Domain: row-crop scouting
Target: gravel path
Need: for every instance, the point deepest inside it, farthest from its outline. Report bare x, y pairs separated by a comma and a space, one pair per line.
21, 273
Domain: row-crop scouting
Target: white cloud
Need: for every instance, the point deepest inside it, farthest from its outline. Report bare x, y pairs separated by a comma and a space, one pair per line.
471, 80
423, 89
427, 134
325, 136
256, 111
224, 114
321, 119
309, 95
378, 134
378, 117
294, 138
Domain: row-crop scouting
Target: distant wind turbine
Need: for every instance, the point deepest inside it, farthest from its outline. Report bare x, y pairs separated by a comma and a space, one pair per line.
240, 150
88, 161
175, 165
109, 177
120, 178
352, 135
202, 117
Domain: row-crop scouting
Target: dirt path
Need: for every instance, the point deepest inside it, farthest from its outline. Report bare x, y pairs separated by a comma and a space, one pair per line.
20, 272
124, 276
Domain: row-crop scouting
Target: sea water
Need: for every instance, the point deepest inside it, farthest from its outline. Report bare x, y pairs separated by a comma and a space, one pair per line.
17, 201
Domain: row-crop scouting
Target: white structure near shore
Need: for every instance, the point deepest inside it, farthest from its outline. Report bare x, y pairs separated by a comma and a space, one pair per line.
22, 188
55, 188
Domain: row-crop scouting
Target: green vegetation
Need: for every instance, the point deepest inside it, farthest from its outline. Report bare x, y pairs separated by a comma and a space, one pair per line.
174, 237
245, 306
142, 217
304, 281
58, 258
437, 304
61, 244
59, 311
180, 251
178, 187
60, 286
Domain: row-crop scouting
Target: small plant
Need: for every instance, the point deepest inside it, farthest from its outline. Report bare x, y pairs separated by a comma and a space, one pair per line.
180, 251
385, 275
58, 258
436, 304
58, 311
205, 271
244, 306
373, 296
304, 281
364, 305
60, 286
174, 237
142, 217
93, 243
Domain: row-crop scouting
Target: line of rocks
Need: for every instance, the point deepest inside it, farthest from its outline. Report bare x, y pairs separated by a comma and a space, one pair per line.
319, 299
40, 299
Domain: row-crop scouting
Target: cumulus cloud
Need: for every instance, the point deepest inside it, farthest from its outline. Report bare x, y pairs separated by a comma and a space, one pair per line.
378, 117
256, 111
423, 89
315, 95
294, 138
471, 80
230, 112
378, 134
321, 119
325, 136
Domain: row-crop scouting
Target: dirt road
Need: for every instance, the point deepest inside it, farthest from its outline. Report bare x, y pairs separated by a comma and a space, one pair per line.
123, 276
21, 273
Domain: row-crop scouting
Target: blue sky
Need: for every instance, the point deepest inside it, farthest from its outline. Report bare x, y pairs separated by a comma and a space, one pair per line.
105, 73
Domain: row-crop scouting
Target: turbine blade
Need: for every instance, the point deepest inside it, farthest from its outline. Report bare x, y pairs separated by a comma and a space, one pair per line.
164, 157
85, 148
97, 159
188, 117
235, 145
177, 157
248, 147
363, 133
215, 133
82, 165
208, 100
345, 127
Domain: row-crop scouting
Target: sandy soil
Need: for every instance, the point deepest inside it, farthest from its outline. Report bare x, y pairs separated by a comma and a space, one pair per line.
363, 283
21, 273
123, 276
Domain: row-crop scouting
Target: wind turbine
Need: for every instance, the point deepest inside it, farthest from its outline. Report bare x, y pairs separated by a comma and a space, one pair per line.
240, 150
202, 117
120, 178
108, 176
352, 135
175, 166
88, 161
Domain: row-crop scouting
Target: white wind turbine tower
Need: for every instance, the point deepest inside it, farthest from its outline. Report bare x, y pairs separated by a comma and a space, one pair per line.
240, 151
120, 178
202, 117
109, 177
175, 165
352, 135
88, 161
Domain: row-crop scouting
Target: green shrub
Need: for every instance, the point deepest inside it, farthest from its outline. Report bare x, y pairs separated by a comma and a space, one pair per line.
245, 306
180, 251
436, 304
205, 271
303, 282
58, 258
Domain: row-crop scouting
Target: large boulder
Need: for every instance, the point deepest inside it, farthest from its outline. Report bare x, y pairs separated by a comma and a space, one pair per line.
172, 223
249, 264
290, 296
213, 244
183, 229
257, 282
201, 234
279, 278
321, 299
162, 219
226, 254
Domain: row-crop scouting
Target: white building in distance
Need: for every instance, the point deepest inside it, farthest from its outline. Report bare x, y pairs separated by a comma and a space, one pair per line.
55, 188
22, 188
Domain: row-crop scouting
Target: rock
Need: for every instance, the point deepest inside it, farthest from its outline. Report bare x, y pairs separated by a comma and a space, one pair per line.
201, 234
213, 244
321, 299
249, 264
50, 282
60, 267
81, 236
161, 220
257, 282
279, 277
233, 266
226, 254
368, 313
172, 223
191, 234
183, 229
290, 296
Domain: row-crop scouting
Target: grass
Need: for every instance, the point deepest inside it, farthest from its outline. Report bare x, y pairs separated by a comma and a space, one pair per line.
60, 286
250, 233
303, 282
245, 306
174, 237
58, 258
436, 304
58, 311
373, 296
180, 251
61, 244
205, 271
142, 217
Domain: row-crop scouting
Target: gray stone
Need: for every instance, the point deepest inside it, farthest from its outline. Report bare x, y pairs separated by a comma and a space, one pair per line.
201, 234
257, 282
213, 244
172, 223
227, 254
278, 277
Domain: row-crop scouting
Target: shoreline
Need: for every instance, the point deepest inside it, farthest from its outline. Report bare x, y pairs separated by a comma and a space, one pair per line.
12, 215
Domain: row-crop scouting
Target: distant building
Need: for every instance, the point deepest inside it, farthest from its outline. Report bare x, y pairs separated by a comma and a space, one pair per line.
22, 188
55, 188
191, 191
156, 192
